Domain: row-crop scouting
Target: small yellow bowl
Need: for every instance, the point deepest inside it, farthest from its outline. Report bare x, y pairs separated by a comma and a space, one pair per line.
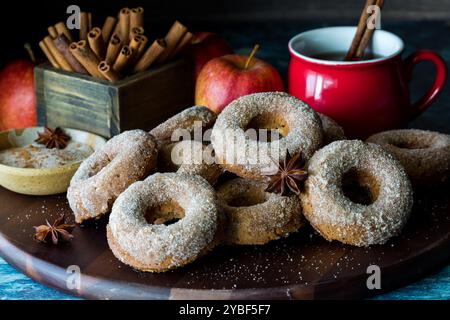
44, 181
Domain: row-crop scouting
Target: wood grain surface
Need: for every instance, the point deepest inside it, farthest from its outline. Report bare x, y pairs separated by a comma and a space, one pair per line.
302, 266
273, 38
140, 101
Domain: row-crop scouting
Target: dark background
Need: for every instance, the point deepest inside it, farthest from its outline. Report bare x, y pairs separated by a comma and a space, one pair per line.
271, 23
27, 21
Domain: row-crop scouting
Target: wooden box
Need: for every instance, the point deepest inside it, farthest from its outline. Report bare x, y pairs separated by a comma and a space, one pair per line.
141, 101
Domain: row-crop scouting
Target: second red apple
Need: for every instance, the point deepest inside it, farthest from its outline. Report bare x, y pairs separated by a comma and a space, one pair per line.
17, 97
229, 77
206, 46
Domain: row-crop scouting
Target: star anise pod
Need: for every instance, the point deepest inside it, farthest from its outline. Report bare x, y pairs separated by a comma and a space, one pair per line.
53, 138
291, 173
58, 231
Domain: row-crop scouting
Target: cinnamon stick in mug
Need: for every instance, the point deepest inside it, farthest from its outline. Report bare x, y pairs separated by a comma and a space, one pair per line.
61, 28
108, 72
124, 59
362, 25
84, 25
49, 55
95, 39
63, 45
59, 57
368, 33
108, 27
84, 54
173, 37
150, 55
114, 46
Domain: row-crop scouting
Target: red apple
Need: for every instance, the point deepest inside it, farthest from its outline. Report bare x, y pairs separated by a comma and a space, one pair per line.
229, 77
17, 97
206, 46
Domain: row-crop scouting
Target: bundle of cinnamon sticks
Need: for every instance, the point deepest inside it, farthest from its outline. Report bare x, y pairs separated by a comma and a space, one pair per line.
118, 49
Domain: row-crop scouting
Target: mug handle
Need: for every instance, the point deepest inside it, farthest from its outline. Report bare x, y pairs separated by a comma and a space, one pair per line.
439, 81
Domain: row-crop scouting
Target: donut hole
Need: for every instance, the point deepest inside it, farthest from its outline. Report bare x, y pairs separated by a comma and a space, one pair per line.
413, 144
267, 127
247, 198
166, 213
360, 187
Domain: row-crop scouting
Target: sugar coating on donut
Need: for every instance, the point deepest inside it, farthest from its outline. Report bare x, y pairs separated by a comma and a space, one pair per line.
184, 120
159, 247
103, 176
424, 154
255, 217
191, 157
332, 131
197, 158
254, 159
334, 215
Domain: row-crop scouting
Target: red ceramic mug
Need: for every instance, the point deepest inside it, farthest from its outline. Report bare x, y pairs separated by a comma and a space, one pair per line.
363, 96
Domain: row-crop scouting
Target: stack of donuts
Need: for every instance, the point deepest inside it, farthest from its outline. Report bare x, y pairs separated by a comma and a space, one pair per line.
167, 209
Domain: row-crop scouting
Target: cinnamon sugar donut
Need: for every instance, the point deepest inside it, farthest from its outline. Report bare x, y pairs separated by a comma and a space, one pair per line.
255, 216
141, 231
165, 163
332, 131
299, 126
184, 120
424, 154
101, 178
191, 119
189, 156
194, 157
336, 213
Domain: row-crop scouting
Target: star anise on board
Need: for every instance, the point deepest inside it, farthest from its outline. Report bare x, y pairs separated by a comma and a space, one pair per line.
56, 138
291, 173
59, 231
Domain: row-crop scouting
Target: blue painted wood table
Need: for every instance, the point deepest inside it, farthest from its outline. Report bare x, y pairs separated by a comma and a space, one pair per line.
273, 38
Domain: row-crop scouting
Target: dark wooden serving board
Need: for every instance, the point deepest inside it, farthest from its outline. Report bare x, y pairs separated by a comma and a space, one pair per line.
302, 266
